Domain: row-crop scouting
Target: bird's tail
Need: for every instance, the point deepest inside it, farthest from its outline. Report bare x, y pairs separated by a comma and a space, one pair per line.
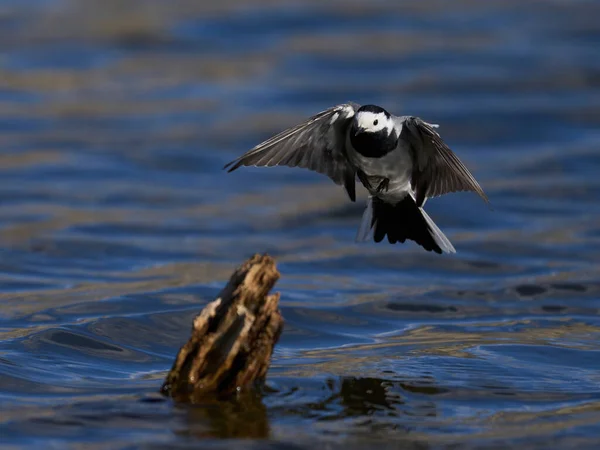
401, 221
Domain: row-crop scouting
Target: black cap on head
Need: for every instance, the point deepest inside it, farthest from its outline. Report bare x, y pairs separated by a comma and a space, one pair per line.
374, 109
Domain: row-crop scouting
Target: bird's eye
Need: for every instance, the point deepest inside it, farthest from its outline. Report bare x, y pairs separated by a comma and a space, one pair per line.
375, 122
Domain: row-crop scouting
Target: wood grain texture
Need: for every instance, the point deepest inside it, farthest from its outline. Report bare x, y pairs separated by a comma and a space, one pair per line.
232, 339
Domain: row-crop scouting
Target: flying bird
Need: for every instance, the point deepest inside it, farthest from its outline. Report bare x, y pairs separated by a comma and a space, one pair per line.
401, 161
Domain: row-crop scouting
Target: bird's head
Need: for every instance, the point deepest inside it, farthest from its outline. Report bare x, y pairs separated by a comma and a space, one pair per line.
372, 119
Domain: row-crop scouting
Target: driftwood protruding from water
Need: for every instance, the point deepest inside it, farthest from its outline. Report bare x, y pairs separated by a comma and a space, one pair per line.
232, 338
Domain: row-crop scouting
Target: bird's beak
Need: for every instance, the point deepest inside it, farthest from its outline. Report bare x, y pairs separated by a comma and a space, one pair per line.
359, 131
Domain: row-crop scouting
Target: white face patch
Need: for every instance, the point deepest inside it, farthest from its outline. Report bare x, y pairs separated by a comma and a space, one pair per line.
373, 122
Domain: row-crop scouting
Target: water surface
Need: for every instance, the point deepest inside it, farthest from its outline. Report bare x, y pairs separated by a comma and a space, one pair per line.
117, 223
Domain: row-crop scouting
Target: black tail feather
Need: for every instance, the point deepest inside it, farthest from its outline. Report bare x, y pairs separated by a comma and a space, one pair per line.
405, 220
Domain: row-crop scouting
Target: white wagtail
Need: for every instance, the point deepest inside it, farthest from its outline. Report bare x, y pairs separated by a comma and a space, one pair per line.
401, 161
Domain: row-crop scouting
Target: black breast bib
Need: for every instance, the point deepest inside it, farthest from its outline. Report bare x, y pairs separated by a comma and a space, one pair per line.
374, 145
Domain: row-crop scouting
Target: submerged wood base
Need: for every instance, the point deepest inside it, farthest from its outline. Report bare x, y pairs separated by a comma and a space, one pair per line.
232, 338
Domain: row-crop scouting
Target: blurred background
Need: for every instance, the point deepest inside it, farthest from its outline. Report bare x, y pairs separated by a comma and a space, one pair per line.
117, 223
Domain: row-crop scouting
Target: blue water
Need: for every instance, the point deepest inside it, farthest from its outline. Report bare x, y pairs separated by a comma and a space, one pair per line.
117, 224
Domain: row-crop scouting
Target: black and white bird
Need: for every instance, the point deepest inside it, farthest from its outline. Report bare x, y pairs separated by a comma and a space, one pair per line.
401, 160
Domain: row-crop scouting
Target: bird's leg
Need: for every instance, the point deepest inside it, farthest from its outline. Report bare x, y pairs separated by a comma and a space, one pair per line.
364, 179
383, 185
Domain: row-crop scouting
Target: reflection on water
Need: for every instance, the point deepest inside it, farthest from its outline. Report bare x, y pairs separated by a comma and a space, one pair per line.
117, 223
244, 418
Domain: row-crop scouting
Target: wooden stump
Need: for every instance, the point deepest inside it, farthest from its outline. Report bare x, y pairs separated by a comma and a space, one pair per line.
232, 338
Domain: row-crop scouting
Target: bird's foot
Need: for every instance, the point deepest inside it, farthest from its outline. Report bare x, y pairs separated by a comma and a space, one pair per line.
364, 179
383, 185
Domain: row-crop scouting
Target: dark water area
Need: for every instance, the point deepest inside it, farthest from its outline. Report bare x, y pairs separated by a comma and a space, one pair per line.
117, 223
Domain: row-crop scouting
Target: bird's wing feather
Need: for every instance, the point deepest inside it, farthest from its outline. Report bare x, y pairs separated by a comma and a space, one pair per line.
317, 144
436, 169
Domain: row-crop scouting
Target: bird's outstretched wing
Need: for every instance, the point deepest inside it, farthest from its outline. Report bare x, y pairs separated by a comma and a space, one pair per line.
317, 144
436, 169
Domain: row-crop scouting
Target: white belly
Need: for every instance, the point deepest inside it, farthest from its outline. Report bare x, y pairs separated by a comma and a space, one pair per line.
396, 166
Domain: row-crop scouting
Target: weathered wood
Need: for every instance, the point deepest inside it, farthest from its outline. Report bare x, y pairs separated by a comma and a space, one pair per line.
232, 338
